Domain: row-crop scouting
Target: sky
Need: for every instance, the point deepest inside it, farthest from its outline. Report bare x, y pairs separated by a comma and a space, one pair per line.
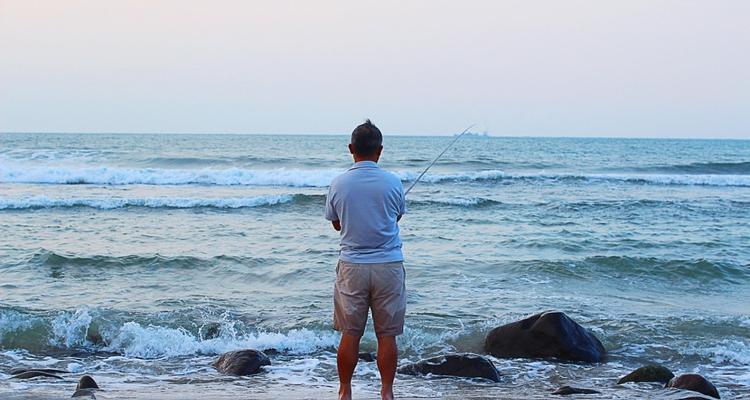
634, 68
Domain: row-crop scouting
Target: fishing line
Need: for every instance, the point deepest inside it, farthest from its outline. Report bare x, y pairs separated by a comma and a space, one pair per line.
437, 158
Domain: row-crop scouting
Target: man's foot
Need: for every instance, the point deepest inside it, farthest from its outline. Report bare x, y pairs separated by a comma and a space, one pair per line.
345, 393
386, 394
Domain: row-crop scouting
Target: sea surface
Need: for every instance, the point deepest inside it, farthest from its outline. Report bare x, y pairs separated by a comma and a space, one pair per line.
139, 258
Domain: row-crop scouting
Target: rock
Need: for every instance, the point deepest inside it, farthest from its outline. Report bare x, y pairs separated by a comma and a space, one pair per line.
271, 352
34, 374
241, 362
84, 393
648, 373
463, 365
545, 335
16, 371
211, 330
567, 390
695, 383
87, 382
368, 357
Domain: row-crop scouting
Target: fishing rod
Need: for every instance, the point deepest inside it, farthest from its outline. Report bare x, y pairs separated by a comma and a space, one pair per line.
437, 158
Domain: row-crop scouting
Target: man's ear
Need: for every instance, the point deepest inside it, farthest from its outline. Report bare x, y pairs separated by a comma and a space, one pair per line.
351, 148
380, 150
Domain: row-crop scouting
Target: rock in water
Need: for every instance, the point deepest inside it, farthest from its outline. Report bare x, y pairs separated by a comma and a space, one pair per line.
368, 357
85, 393
241, 362
695, 383
544, 335
463, 365
648, 373
87, 382
567, 390
209, 331
34, 374
16, 371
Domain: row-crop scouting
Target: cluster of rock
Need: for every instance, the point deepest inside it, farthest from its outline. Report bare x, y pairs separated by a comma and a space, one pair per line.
549, 334
86, 385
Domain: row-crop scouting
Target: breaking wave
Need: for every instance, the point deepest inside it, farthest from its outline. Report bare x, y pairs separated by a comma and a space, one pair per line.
42, 202
17, 173
148, 202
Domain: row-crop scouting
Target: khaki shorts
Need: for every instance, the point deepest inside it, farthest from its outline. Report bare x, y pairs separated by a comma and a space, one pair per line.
359, 287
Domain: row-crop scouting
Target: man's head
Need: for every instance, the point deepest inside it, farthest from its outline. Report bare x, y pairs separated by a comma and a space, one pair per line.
367, 142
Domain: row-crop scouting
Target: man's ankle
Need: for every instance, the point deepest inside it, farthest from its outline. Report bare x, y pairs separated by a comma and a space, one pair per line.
345, 391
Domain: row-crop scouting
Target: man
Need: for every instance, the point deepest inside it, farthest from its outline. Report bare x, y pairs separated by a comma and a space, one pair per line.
365, 204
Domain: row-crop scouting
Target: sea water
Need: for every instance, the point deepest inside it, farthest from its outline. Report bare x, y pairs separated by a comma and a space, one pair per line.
139, 258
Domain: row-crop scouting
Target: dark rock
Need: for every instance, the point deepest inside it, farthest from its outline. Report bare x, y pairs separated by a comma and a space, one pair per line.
210, 331
463, 365
33, 374
87, 382
567, 390
545, 335
695, 383
648, 373
85, 393
271, 352
368, 357
96, 338
241, 362
16, 371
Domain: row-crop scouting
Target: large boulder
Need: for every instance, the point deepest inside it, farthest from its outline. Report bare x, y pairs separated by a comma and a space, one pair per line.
241, 362
695, 383
465, 365
648, 373
545, 335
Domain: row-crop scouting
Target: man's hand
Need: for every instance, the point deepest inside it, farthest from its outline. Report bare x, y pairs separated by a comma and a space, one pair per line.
336, 225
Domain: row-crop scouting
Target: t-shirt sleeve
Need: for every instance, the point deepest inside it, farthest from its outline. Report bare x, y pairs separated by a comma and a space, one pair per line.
331, 214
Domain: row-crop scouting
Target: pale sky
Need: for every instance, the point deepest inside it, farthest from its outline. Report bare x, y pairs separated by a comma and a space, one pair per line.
544, 68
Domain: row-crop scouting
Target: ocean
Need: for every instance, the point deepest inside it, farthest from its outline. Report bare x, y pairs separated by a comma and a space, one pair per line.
138, 259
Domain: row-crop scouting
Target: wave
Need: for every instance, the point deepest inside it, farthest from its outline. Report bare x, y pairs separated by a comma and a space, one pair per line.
712, 168
106, 331
43, 202
37, 202
158, 176
17, 173
623, 267
47, 258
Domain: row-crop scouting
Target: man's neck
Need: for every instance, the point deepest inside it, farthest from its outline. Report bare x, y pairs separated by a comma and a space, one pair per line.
359, 159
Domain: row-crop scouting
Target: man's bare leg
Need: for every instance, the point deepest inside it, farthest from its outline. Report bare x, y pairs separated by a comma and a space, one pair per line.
346, 360
387, 360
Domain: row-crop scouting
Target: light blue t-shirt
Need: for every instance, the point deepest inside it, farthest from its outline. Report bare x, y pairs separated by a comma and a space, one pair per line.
367, 200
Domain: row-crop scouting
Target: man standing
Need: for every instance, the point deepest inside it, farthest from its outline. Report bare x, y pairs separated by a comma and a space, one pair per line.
365, 204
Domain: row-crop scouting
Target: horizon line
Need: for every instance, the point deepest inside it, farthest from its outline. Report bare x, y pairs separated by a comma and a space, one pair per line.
489, 135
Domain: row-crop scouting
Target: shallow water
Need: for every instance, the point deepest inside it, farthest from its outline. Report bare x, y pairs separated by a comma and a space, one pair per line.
124, 254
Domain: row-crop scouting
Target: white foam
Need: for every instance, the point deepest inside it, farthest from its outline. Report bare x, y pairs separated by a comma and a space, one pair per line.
135, 340
70, 330
728, 351
20, 172
150, 202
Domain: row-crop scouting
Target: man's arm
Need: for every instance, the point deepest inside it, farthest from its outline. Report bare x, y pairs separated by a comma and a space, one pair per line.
336, 225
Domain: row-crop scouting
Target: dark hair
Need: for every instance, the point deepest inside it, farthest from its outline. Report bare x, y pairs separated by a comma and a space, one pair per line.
366, 139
